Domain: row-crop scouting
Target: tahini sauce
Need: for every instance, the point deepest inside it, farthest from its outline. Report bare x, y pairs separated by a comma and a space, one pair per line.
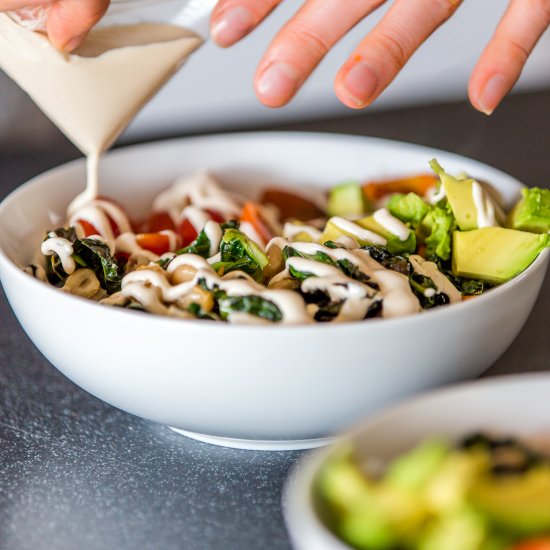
92, 94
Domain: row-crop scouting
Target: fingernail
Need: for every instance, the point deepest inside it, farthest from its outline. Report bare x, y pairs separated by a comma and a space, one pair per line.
360, 83
278, 84
232, 26
494, 91
73, 43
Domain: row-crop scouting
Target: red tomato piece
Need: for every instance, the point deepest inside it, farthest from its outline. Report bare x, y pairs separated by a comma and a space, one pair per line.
533, 544
154, 242
215, 216
88, 228
159, 221
187, 232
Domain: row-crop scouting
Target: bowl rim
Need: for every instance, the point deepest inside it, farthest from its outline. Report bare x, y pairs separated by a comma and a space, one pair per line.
399, 322
297, 497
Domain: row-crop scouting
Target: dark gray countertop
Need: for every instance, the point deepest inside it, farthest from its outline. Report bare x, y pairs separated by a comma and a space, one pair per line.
76, 473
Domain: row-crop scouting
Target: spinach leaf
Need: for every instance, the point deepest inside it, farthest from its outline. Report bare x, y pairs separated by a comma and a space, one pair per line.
237, 251
395, 262
200, 246
198, 312
230, 224
95, 255
420, 284
319, 256
68, 233
327, 311
254, 305
344, 265
353, 272
299, 275
54, 270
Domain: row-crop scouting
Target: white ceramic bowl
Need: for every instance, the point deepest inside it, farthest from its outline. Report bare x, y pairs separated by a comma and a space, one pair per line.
511, 405
259, 387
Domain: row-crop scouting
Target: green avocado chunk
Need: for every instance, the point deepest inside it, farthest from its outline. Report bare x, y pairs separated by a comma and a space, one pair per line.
346, 200
532, 212
460, 196
495, 254
520, 504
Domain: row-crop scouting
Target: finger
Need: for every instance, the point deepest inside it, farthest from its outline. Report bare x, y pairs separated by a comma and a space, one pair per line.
70, 20
502, 61
383, 53
302, 43
233, 19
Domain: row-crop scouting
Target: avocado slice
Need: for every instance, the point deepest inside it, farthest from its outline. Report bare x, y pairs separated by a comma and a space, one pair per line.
338, 227
520, 504
394, 244
412, 471
460, 529
532, 212
341, 483
460, 197
346, 200
495, 254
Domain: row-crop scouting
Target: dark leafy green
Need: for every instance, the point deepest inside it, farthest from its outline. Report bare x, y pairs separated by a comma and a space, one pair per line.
54, 270
196, 310
200, 246
254, 305
230, 224
395, 262
344, 265
238, 252
95, 255
419, 284
468, 287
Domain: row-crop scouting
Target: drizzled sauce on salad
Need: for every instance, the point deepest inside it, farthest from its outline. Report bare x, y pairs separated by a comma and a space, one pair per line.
209, 253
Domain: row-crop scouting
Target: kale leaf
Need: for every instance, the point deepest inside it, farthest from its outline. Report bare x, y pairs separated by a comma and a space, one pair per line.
420, 284
239, 252
95, 255
54, 270
200, 246
395, 262
254, 305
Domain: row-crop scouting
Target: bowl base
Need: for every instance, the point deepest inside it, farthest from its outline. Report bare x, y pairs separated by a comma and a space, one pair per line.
258, 444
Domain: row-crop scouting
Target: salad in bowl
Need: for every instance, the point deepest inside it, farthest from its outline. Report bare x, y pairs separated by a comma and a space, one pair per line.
465, 468
363, 250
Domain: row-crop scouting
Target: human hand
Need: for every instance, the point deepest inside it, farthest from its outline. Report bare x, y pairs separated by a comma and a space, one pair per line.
302, 43
68, 21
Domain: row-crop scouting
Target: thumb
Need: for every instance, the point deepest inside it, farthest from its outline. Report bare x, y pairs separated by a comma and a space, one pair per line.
70, 20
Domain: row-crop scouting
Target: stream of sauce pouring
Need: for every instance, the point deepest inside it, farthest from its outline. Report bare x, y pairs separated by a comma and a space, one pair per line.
92, 94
